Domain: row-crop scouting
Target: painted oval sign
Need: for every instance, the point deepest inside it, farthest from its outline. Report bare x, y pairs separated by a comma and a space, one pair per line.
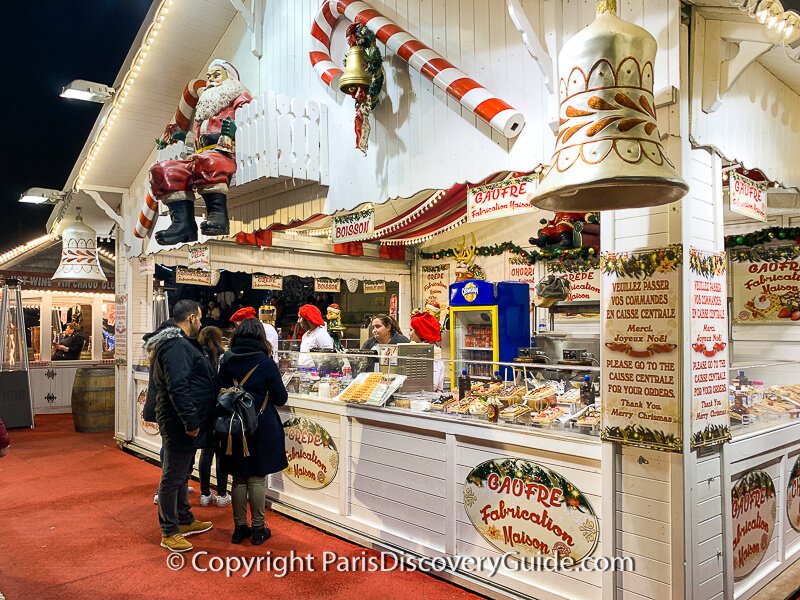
311, 452
793, 496
146, 426
753, 507
526, 509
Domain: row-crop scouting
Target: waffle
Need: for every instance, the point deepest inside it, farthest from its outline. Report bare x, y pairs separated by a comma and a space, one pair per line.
362, 392
791, 300
765, 312
514, 411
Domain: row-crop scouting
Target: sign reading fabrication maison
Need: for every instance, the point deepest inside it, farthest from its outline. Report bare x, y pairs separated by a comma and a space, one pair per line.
641, 388
766, 291
528, 510
435, 283
267, 282
753, 508
196, 276
353, 227
709, 349
748, 197
311, 452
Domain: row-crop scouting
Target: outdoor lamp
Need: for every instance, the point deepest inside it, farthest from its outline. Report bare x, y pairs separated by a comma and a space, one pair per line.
38, 195
80, 89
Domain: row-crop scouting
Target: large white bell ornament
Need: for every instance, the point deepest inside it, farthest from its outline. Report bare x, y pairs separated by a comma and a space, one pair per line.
608, 151
79, 259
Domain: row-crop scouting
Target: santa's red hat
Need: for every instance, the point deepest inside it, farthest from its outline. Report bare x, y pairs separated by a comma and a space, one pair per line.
311, 313
334, 308
432, 305
247, 312
220, 62
427, 327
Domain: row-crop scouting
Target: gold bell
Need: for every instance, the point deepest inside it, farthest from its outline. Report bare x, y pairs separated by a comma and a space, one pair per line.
608, 151
355, 71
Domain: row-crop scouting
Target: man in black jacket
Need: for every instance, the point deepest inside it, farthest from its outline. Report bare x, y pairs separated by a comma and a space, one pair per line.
71, 346
185, 397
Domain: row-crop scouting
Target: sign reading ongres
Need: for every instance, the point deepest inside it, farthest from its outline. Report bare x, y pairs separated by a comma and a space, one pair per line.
196, 276
526, 509
354, 227
753, 507
326, 284
793, 496
641, 390
748, 197
311, 452
267, 282
709, 349
374, 287
766, 292
500, 199
200, 257
121, 329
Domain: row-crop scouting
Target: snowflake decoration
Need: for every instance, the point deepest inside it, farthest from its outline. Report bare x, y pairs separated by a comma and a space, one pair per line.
51, 398
50, 374
589, 531
469, 497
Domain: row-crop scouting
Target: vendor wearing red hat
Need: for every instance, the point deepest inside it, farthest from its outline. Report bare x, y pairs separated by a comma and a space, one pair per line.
315, 336
248, 312
425, 328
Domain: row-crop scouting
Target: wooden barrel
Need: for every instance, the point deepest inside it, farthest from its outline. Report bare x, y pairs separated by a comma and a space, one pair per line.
93, 399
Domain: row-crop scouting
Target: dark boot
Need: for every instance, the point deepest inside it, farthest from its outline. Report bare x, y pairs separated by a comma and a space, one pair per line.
216, 222
260, 535
240, 534
183, 227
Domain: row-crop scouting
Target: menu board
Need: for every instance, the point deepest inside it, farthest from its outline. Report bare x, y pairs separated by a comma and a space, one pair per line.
766, 292
642, 396
753, 508
121, 329
709, 349
435, 283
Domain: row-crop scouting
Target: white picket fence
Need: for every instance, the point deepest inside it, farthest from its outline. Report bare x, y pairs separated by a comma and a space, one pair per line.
276, 136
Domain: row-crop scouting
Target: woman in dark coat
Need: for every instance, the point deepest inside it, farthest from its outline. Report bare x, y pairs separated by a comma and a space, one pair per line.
249, 348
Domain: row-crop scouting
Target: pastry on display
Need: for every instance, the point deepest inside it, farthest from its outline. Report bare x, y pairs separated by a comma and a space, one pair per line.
402, 403
459, 407
442, 402
541, 396
571, 395
360, 391
590, 417
511, 393
548, 415
515, 410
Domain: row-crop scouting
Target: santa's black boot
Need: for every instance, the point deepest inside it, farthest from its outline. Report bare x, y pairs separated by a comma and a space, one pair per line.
183, 227
216, 222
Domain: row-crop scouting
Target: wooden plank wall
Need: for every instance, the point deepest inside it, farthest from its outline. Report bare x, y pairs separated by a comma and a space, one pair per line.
757, 123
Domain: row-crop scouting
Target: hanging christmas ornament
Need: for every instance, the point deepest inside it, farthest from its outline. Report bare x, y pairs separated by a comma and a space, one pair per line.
362, 78
79, 260
608, 151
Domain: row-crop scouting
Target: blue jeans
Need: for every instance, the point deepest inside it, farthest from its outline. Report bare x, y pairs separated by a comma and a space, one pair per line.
173, 501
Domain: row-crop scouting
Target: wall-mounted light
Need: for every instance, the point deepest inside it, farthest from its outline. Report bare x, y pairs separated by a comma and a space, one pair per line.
42, 196
81, 89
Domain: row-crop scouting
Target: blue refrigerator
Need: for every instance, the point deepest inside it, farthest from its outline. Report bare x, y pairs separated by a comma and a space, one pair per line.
489, 323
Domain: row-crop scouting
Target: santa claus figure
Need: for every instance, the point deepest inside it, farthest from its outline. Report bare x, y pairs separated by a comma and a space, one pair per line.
209, 169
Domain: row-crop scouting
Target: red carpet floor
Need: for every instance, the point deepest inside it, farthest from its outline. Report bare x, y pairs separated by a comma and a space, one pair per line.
78, 521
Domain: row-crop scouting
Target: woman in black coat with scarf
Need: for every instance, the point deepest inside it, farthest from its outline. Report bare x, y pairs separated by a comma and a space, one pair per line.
249, 348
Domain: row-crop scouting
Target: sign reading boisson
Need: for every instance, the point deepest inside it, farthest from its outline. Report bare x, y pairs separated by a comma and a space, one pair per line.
311, 452
528, 510
353, 227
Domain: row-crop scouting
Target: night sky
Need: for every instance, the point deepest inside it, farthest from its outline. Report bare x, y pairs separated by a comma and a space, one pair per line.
50, 43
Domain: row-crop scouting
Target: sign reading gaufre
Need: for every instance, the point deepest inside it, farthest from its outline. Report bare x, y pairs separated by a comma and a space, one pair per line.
500, 199
748, 197
354, 227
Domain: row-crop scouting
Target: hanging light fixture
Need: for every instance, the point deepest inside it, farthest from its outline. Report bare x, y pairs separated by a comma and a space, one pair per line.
79, 259
608, 151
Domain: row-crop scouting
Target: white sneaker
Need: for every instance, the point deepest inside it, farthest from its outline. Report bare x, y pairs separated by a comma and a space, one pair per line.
224, 500
206, 500
190, 489
155, 498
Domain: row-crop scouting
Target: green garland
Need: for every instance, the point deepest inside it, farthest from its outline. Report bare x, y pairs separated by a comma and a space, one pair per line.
763, 236
642, 264
530, 257
764, 254
352, 217
576, 265
706, 265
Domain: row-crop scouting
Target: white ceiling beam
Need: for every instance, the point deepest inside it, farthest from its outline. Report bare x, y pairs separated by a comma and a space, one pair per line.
254, 18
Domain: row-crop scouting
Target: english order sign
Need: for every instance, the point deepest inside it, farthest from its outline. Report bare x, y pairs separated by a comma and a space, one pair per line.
500, 199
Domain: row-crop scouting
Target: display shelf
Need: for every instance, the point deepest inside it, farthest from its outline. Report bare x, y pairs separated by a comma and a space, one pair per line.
487, 349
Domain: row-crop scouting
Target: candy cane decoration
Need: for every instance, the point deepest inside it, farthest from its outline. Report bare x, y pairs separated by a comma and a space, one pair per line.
183, 121
501, 116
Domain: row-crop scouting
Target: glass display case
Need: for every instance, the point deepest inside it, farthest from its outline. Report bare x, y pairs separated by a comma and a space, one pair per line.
552, 398
763, 395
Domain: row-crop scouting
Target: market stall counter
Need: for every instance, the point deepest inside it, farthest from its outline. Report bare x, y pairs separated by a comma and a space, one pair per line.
52, 382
